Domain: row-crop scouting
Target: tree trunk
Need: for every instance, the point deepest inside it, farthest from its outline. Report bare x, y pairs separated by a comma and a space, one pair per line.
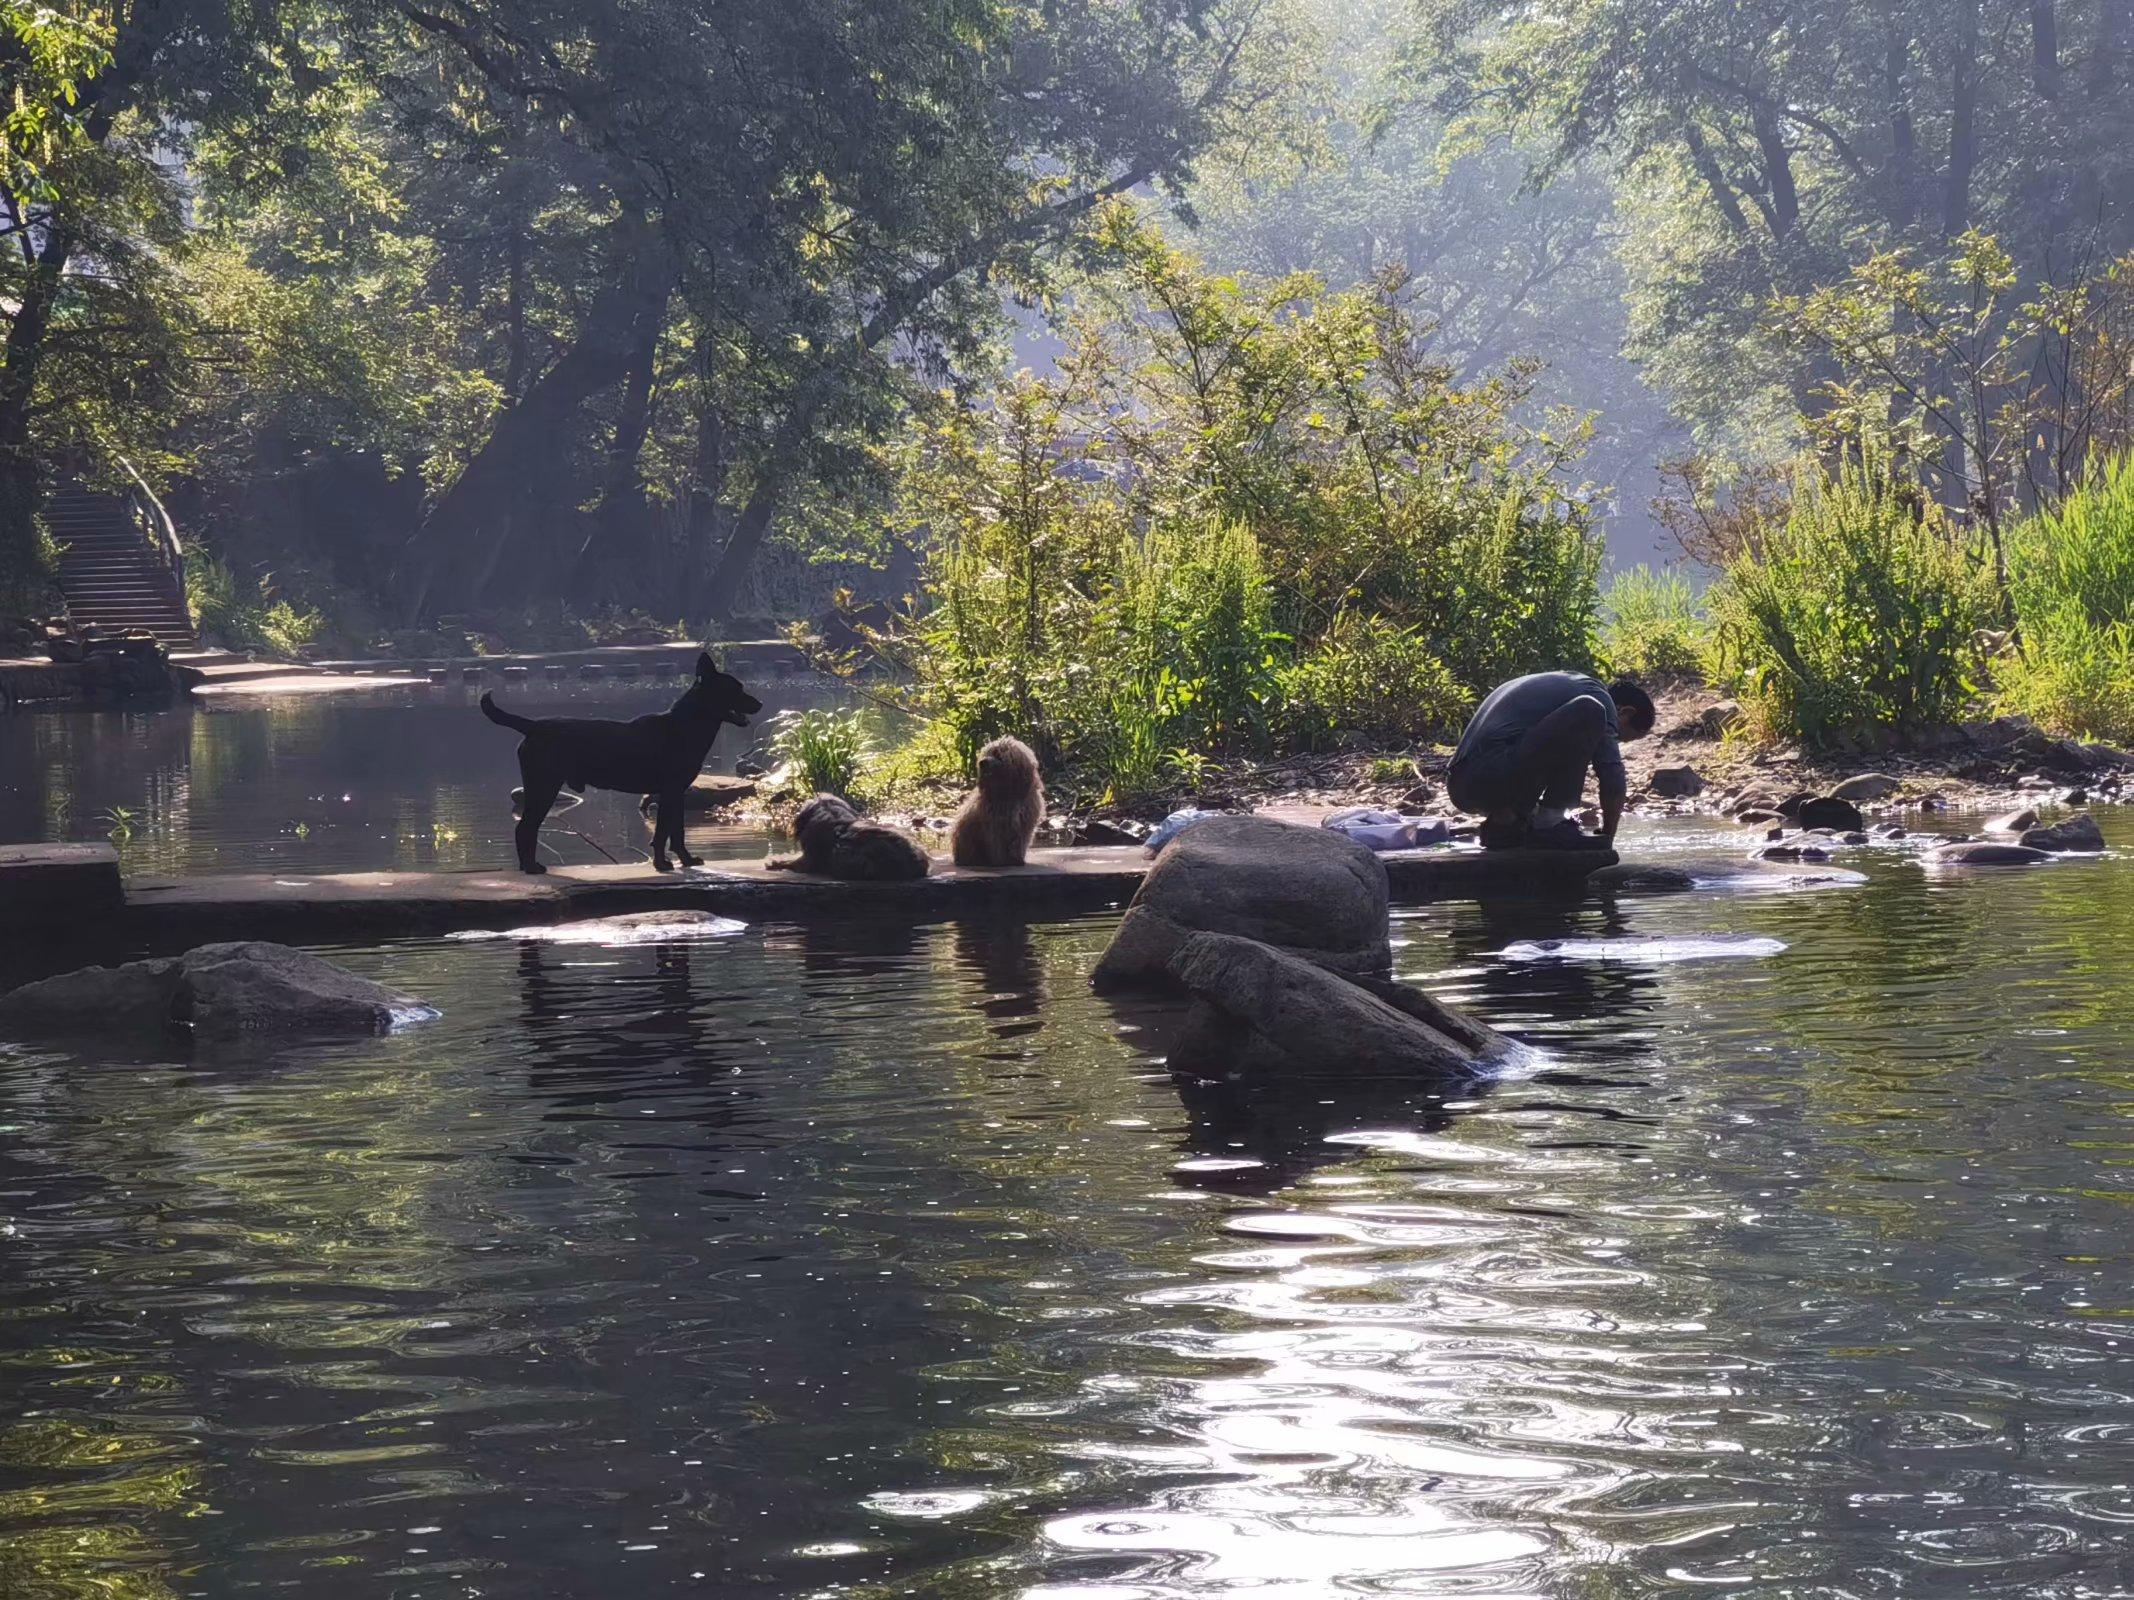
2115, 36
1707, 165
515, 316
614, 548
2045, 49
1903, 139
21, 486
1778, 169
706, 526
1963, 121
463, 541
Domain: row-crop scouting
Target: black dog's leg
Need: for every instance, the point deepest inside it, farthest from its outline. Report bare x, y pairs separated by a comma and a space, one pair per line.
663, 829
675, 803
540, 795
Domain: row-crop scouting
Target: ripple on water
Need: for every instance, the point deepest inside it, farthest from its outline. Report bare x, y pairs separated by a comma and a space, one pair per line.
850, 1258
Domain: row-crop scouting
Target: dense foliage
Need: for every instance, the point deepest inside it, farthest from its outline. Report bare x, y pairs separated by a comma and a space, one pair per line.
1858, 613
2072, 665
1243, 508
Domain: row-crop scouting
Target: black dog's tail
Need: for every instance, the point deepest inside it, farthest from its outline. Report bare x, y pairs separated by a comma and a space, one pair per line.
497, 714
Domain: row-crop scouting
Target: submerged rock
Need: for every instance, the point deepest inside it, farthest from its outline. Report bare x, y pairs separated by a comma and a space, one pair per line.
1307, 891
2074, 836
1644, 878
218, 990
1261, 1008
1985, 853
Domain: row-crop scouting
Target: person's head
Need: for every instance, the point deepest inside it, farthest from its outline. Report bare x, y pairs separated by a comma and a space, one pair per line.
1634, 713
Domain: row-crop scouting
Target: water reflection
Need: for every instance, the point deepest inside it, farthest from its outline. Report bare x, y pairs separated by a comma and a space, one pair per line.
867, 1259
409, 779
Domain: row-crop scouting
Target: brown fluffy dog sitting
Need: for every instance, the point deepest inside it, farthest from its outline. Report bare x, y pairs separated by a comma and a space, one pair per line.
837, 842
997, 823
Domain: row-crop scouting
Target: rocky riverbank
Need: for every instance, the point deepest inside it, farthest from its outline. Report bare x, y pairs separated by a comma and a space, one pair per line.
1696, 764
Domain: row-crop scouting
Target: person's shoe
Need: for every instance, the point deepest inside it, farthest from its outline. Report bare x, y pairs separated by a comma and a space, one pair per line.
1502, 833
1566, 835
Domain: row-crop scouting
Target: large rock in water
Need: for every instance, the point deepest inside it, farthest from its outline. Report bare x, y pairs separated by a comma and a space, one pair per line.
1308, 891
1262, 1009
219, 990
1828, 811
2077, 835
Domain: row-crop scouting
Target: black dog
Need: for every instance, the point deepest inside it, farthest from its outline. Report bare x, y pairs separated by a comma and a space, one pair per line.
837, 842
659, 754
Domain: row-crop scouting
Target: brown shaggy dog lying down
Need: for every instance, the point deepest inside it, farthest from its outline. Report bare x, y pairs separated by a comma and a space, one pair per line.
837, 842
998, 821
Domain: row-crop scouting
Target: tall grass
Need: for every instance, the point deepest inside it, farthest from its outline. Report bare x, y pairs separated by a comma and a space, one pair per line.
2072, 573
829, 750
1653, 625
1856, 616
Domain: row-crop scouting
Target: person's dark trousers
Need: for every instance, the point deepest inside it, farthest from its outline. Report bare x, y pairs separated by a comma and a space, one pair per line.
1547, 766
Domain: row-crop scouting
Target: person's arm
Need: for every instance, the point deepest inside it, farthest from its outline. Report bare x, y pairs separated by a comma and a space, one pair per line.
1614, 785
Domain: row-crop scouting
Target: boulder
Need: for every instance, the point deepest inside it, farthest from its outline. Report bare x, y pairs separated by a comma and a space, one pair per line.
1985, 853
2074, 836
1308, 891
1639, 879
134, 997
1676, 783
1829, 811
218, 990
1865, 787
1263, 1008
2014, 822
1758, 817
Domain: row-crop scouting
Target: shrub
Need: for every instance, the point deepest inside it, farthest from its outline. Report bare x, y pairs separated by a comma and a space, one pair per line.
252, 618
2072, 573
1653, 625
1859, 611
1371, 678
1241, 510
829, 750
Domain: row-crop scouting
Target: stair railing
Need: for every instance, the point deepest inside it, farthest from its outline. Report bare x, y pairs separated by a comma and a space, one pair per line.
155, 525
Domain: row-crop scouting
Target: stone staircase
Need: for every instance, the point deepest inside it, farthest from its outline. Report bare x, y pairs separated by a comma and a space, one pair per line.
114, 579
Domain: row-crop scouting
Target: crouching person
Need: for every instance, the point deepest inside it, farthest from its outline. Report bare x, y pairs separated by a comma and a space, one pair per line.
1522, 762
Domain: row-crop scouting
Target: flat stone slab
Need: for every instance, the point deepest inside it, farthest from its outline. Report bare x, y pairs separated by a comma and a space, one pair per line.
302, 907
299, 682
64, 884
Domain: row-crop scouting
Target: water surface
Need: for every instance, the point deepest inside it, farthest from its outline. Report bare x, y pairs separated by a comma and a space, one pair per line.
872, 1260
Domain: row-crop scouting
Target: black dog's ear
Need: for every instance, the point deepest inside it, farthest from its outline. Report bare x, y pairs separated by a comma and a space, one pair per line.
706, 667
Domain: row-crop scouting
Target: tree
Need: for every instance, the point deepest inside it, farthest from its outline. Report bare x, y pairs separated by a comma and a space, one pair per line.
822, 188
108, 102
1760, 147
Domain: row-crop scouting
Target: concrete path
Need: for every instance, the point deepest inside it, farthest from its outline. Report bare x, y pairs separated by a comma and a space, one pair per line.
302, 909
